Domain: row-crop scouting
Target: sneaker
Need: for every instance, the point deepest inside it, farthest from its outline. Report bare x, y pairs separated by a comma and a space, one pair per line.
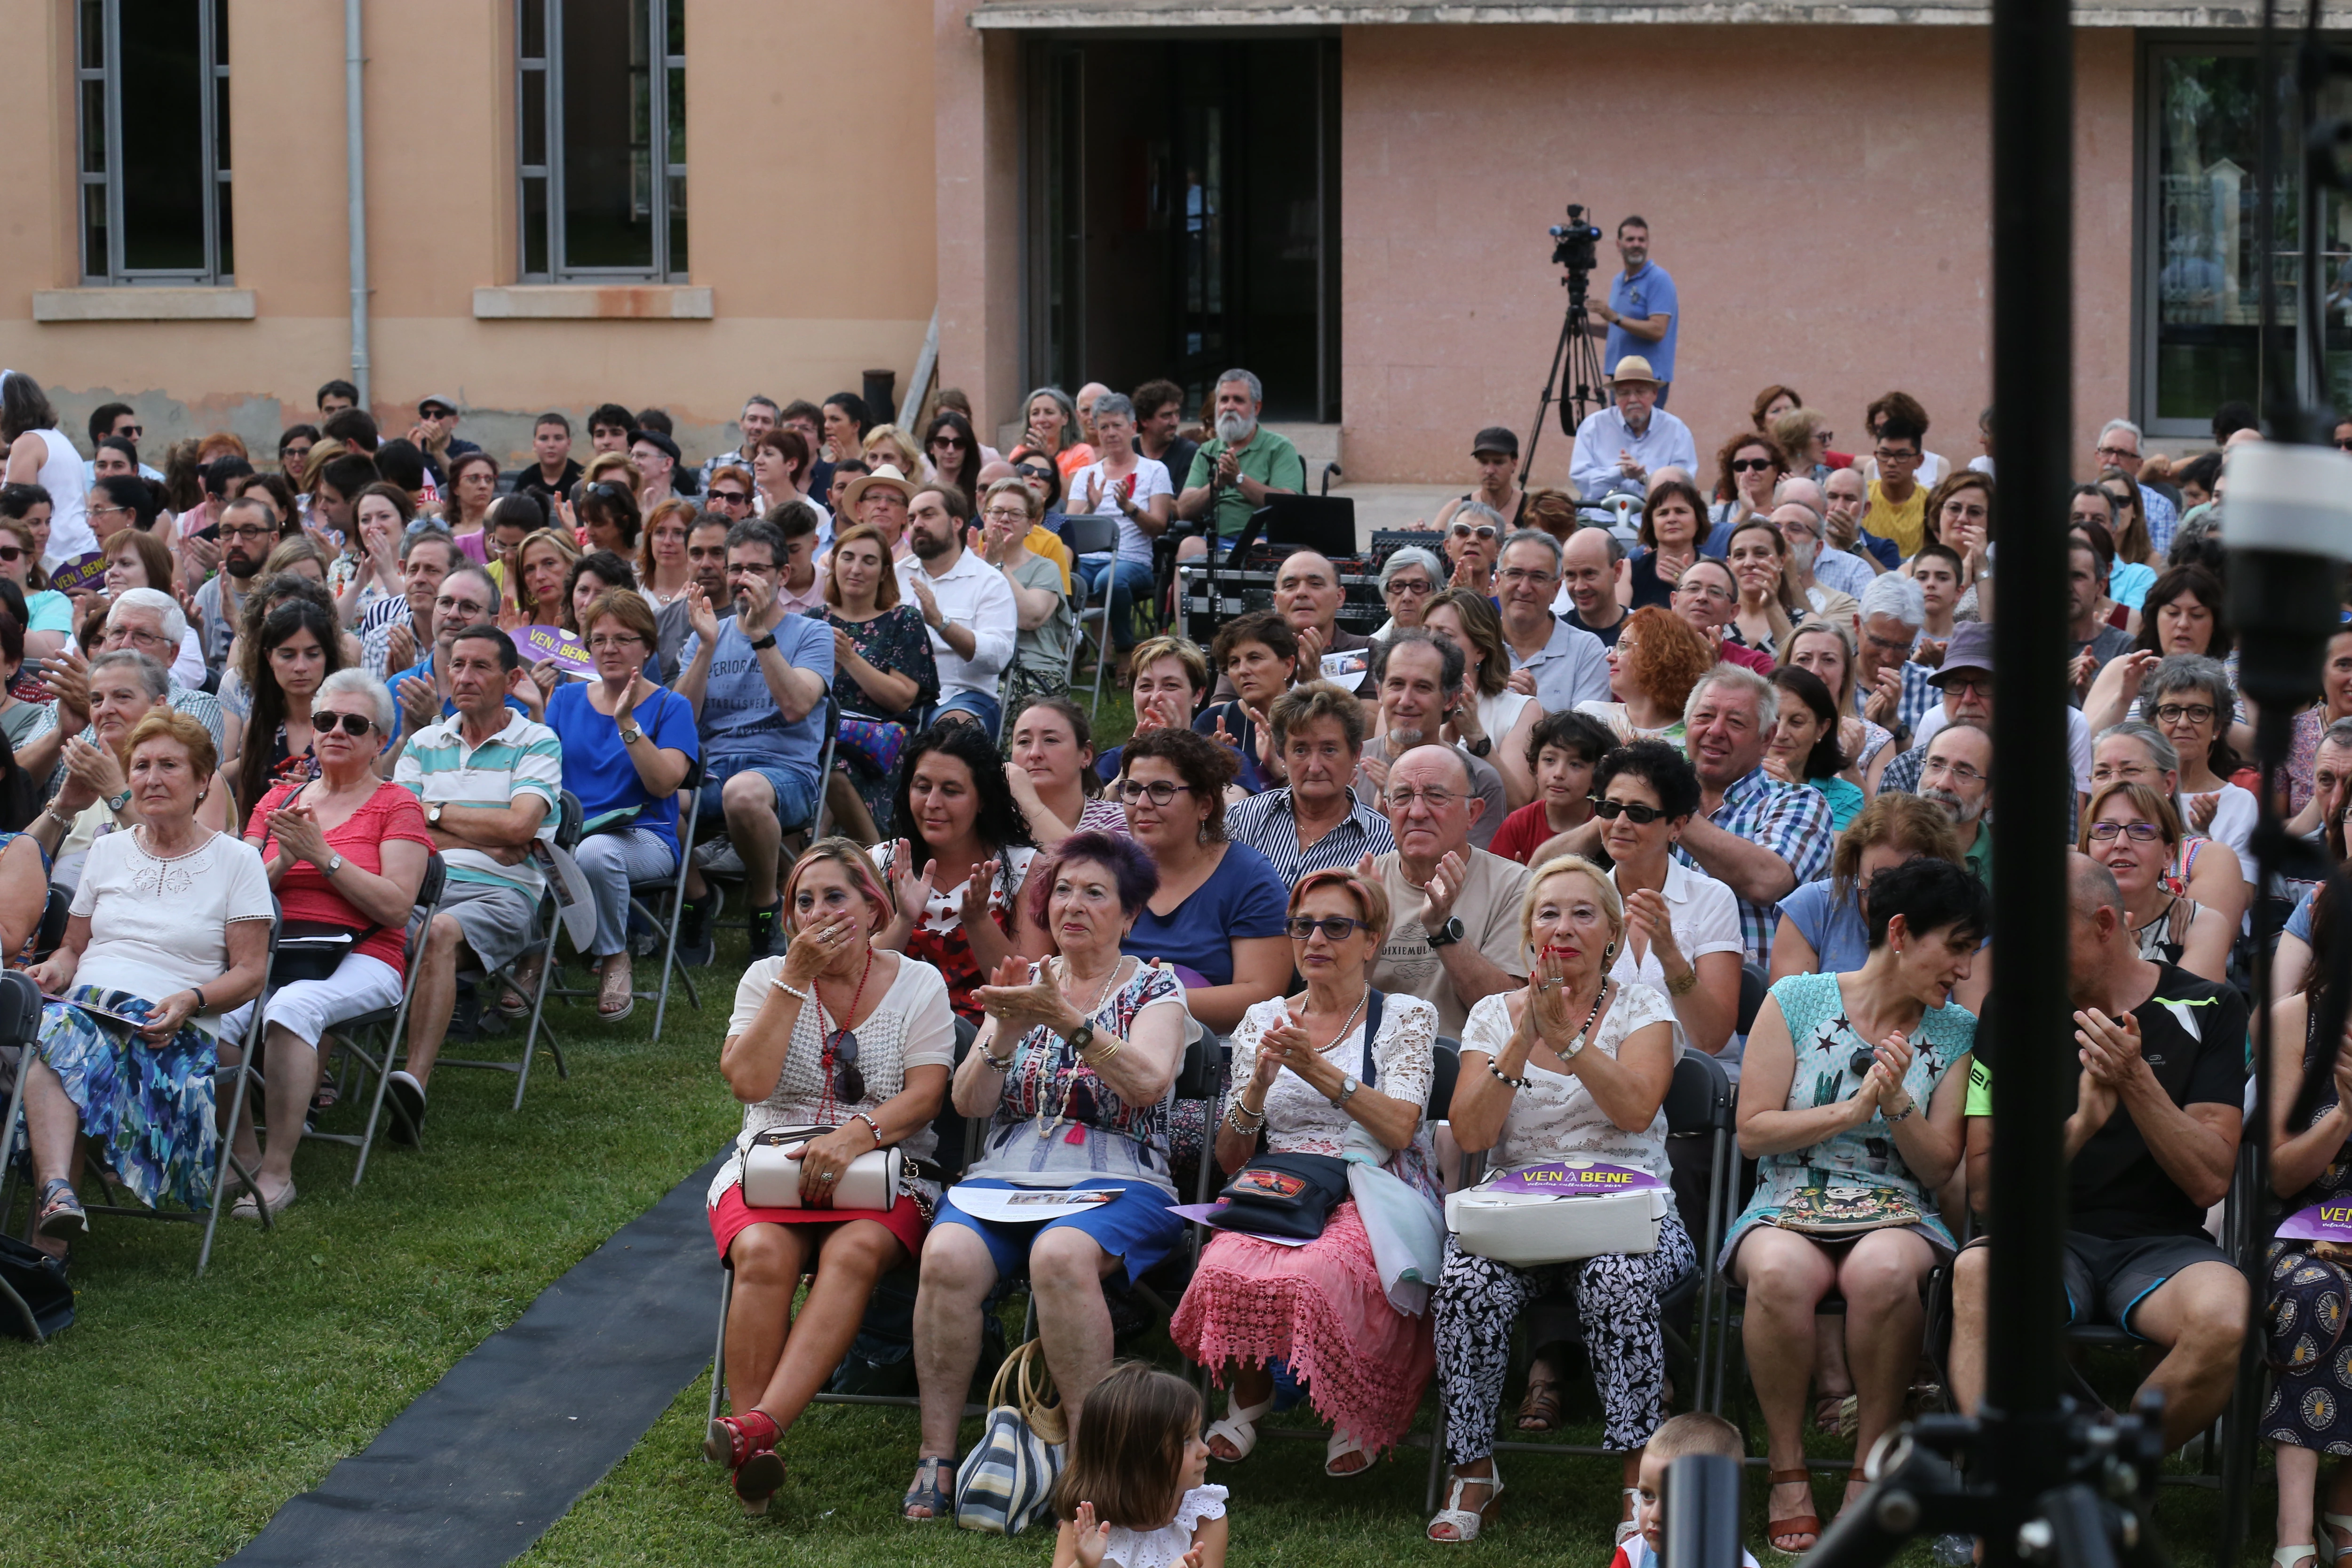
695, 946
406, 1120
766, 940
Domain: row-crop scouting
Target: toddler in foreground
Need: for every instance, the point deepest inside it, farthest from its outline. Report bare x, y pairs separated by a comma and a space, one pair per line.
1694, 1433
1132, 1494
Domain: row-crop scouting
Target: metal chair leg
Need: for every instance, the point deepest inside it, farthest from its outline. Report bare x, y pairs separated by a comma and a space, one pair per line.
718, 1354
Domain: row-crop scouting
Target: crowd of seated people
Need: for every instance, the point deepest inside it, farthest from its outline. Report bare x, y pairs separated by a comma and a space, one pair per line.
1589, 811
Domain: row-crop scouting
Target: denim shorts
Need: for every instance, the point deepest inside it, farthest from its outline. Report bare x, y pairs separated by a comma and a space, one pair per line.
795, 796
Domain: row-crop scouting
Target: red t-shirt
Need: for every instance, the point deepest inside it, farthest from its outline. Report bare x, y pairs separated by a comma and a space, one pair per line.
305, 894
1523, 833
1747, 658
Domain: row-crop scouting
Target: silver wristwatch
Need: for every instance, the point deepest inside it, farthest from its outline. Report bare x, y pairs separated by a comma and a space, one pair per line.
1348, 1088
334, 864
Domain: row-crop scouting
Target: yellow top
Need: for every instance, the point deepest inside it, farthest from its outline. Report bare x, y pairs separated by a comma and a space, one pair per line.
1905, 522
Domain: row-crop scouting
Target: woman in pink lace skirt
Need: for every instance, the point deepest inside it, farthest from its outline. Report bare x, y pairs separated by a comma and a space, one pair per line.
1343, 1073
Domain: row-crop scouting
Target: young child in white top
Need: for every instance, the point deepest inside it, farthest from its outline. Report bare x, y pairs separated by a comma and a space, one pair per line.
1132, 1494
1695, 1432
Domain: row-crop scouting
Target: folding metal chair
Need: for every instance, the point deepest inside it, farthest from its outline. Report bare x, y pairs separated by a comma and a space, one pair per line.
668, 891
811, 831
547, 925
20, 1022
389, 1025
1090, 535
1700, 1123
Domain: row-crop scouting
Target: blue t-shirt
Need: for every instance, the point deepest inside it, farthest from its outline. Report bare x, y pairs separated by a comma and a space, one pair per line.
1833, 929
596, 766
1649, 292
2298, 924
1243, 898
739, 716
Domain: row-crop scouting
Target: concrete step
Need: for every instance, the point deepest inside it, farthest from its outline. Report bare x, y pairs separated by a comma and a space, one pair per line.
1319, 443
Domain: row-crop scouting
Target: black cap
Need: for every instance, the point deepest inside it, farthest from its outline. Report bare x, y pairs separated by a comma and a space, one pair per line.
656, 440
1495, 438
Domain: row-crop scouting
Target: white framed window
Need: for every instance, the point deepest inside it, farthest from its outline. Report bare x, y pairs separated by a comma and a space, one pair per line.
601, 130
150, 110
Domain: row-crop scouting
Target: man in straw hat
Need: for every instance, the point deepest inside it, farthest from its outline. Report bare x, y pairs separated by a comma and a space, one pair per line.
1618, 447
881, 498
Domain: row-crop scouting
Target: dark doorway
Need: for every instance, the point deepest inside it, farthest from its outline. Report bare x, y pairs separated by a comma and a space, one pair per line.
1183, 212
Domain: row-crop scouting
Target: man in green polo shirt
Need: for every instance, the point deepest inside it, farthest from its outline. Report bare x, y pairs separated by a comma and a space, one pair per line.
1245, 462
1958, 776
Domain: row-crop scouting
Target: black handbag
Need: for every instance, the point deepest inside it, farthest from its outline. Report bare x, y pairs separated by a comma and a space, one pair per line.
1294, 1194
35, 1301
311, 950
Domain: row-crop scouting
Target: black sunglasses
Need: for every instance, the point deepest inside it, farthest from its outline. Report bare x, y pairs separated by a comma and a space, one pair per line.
841, 1050
353, 724
1338, 928
1610, 810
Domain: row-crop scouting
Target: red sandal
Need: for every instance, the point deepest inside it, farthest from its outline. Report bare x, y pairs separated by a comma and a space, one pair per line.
733, 1439
758, 1478
1795, 1524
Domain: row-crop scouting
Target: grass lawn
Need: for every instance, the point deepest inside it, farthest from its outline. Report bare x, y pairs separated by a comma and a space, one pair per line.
171, 1421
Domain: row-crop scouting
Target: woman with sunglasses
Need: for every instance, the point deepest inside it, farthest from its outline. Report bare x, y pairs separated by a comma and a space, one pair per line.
2134, 832
1682, 926
627, 745
1746, 467
345, 853
1075, 1072
853, 1042
1573, 1065
1474, 539
24, 534
1669, 539
953, 450
2137, 561
1339, 1071
1856, 1080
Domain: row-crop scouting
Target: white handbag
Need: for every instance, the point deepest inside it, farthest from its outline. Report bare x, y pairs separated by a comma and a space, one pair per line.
1528, 1230
771, 1172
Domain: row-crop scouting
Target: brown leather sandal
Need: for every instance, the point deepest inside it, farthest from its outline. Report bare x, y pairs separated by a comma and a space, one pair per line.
1794, 1524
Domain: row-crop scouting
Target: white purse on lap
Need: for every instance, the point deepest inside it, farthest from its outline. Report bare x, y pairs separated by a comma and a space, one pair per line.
771, 1172
1528, 1230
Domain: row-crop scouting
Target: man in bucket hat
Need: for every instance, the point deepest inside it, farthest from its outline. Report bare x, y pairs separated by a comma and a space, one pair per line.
1618, 447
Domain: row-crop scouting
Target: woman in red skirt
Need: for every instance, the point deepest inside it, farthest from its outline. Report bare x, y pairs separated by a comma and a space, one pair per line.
854, 1042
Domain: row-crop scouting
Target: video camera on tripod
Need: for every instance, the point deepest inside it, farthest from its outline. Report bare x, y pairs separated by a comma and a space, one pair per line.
1575, 246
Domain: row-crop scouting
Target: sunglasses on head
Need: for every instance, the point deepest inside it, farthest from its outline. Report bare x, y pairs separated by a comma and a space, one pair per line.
1610, 810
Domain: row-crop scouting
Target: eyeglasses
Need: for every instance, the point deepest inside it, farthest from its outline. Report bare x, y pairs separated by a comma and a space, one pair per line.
144, 640
1610, 810
1969, 686
2128, 457
2195, 712
2141, 832
1960, 771
110, 509
1412, 587
1336, 928
1434, 799
614, 641
1522, 575
1752, 465
1004, 514
352, 725
254, 532
1465, 530
1883, 645
466, 610
1886, 455
1160, 791
1704, 590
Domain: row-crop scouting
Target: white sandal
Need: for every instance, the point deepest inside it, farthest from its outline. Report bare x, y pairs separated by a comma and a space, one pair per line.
1239, 1427
1627, 1527
1466, 1521
2288, 1556
2342, 1522
1339, 1445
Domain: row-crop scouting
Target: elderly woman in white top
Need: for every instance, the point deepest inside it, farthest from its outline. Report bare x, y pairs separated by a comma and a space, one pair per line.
1409, 580
838, 1047
169, 927
1572, 1064
1341, 1072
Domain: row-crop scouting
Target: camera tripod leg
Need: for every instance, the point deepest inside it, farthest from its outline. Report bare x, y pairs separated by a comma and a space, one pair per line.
1575, 356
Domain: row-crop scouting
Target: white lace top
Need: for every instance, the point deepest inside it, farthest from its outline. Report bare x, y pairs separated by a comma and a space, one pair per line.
1555, 1116
911, 1028
1164, 1547
1299, 1121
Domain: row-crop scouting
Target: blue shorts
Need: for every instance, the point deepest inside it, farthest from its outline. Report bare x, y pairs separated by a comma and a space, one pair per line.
795, 796
1135, 1226
978, 705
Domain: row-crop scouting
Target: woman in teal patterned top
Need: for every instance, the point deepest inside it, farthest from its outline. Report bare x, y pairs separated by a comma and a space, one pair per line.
1851, 1096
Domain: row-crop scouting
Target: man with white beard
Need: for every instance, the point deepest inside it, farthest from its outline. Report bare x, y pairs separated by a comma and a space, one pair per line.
1958, 776
1240, 467
1801, 535
1831, 568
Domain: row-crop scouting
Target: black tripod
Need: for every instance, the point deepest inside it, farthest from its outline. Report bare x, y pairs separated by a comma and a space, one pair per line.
1574, 354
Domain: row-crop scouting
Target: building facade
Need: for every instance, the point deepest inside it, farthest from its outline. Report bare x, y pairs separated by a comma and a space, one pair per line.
679, 203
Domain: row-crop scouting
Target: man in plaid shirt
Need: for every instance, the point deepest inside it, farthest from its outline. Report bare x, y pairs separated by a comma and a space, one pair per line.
1759, 835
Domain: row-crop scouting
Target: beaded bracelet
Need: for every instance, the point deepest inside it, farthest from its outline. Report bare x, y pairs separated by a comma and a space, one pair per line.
1506, 1078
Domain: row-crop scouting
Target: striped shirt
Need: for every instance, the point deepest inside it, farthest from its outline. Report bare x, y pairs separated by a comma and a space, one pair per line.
1268, 823
524, 758
1790, 821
